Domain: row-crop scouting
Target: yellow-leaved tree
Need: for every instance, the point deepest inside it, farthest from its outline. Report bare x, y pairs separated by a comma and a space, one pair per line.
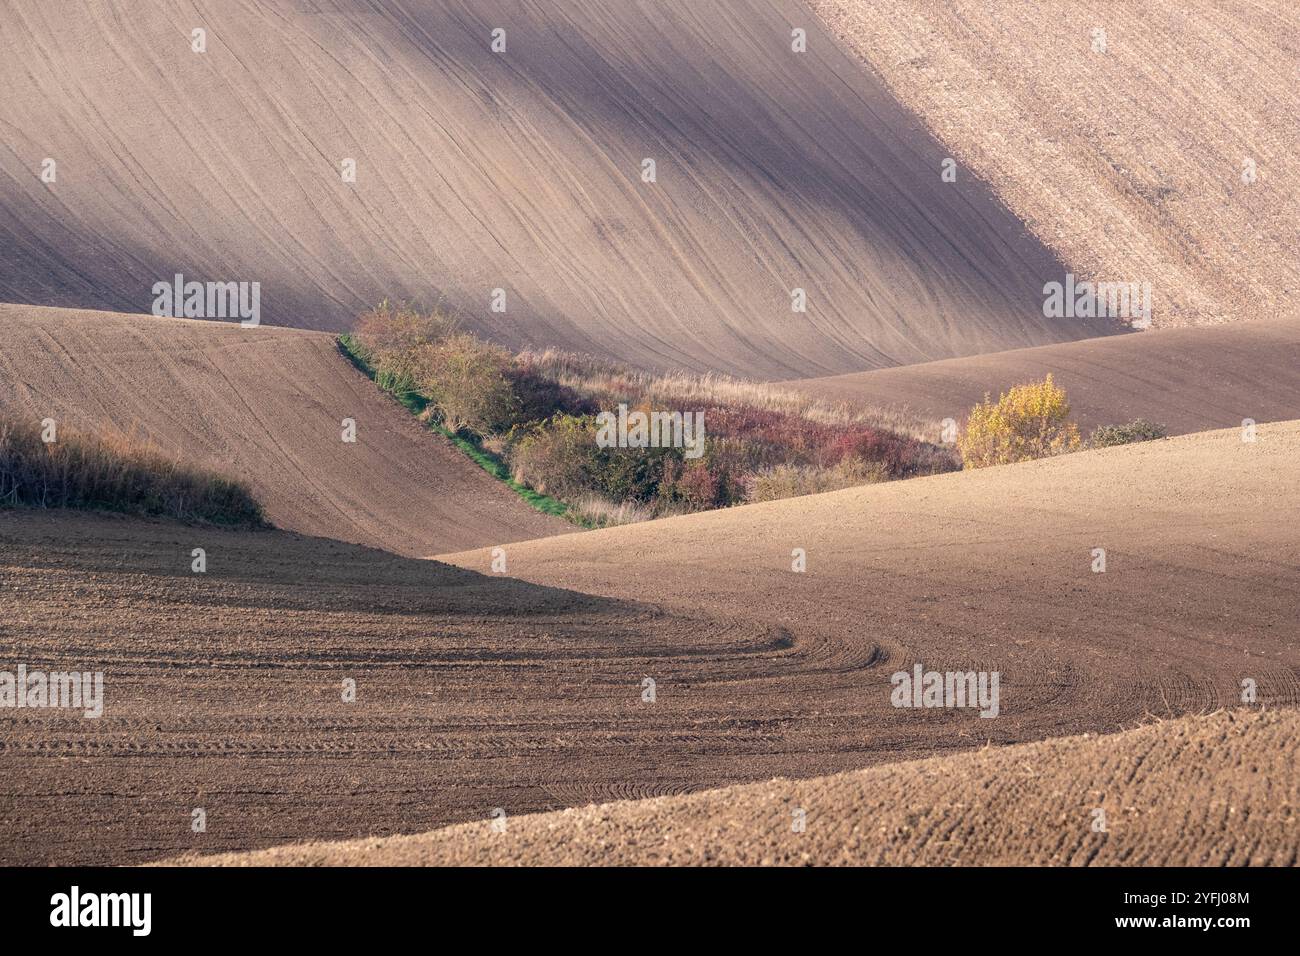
1029, 421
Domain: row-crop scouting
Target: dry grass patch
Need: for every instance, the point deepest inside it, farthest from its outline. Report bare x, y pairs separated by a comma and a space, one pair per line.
793, 481
111, 471
609, 381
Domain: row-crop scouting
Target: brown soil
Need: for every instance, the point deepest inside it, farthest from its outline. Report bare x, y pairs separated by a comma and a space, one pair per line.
223, 691
1186, 379
1220, 790
519, 171
1127, 162
526, 691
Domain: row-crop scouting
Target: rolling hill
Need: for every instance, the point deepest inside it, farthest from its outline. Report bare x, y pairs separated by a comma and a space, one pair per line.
412, 655
519, 171
1186, 379
527, 691
266, 405
1199, 791
1147, 141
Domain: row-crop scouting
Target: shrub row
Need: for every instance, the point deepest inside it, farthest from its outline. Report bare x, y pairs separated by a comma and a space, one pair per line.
537, 411
113, 472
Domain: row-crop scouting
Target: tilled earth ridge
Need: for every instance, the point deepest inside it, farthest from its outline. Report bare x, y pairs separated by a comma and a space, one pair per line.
1219, 790
528, 692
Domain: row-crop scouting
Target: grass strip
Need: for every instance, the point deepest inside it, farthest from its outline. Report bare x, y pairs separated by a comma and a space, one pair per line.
416, 404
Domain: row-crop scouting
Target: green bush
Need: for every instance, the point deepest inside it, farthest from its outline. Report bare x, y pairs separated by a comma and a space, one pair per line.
1104, 436
464, 380
630, 474
556, 457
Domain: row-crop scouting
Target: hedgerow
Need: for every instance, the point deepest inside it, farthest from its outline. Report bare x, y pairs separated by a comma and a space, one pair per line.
537, 412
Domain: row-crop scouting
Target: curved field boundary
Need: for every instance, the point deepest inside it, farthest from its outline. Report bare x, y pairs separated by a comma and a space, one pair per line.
268, 406
1200, 791
485, 460
1186, 379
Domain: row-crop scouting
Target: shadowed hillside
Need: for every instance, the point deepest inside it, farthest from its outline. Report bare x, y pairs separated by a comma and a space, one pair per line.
519, 171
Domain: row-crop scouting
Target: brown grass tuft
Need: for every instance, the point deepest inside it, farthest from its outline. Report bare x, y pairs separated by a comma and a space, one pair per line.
603, 381
112, 471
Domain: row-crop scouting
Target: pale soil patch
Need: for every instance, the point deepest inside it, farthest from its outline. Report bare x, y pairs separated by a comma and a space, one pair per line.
1127, 163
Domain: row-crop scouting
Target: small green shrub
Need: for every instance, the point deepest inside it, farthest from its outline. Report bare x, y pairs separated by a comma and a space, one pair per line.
1104, 436
561, 457
556, 457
